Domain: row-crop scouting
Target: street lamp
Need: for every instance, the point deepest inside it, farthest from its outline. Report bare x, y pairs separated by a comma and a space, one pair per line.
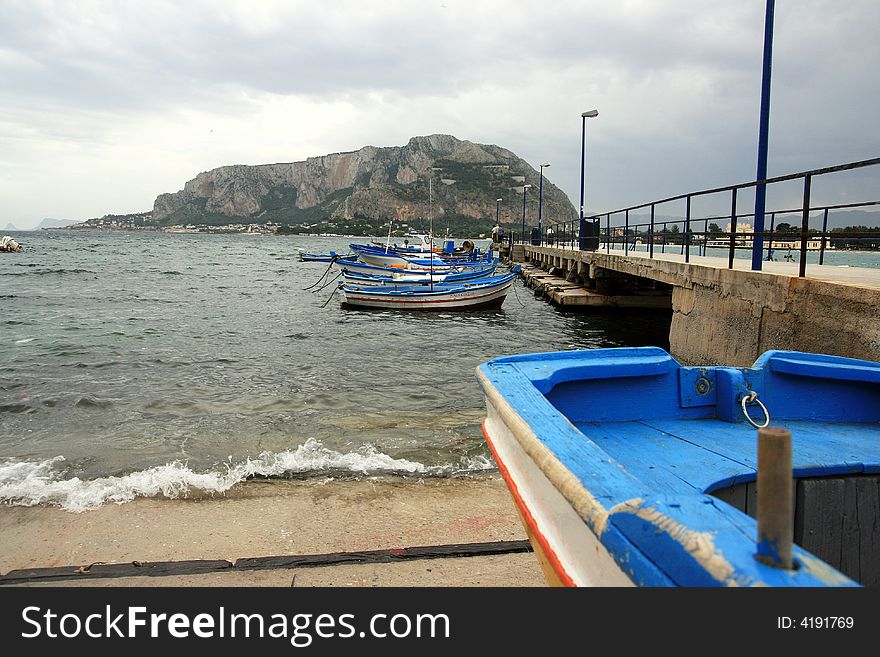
541, 202
590, 114
497, 209
523, 234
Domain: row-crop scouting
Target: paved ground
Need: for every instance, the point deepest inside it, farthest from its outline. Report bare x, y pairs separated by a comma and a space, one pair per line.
273, 518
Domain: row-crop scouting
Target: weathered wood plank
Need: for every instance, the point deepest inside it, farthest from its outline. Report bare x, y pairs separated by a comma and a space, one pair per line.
752, 499
735, 496
385, 556
160, 568
850, 543
868, 519
102, 571
819, 519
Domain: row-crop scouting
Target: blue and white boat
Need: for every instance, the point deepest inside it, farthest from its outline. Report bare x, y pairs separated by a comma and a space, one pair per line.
305, 256
630, 469
409, 277
481, 293
485, 266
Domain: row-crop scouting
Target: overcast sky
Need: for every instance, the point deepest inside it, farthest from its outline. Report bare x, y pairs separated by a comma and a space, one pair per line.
105, 105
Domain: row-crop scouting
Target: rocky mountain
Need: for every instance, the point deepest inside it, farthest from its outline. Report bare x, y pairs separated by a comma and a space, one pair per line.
56, 223
439, 174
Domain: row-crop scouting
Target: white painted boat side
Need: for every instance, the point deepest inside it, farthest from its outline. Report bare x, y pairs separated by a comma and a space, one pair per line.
567, 542
457, 300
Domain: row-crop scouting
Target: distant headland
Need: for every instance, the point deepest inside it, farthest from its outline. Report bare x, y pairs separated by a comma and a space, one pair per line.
455, 182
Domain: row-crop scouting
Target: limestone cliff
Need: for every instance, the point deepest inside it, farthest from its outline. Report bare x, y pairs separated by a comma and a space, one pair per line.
439, 173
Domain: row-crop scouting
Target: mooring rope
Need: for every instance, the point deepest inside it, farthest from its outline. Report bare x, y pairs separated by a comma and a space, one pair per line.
327, 283
318, 282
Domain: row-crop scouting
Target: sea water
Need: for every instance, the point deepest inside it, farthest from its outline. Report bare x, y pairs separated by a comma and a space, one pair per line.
141, 364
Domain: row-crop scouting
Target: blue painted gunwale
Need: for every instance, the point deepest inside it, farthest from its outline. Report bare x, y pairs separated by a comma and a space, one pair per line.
439, 289
419, 278
484, 265
305, 256
630, 425
422, 258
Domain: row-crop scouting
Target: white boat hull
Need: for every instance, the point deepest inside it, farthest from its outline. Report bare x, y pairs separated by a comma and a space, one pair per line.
468, 299
569, 552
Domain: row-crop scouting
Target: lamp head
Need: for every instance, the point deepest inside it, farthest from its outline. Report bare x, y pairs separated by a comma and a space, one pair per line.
590, 114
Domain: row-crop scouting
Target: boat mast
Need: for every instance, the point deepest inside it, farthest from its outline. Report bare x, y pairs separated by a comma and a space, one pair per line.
388, 241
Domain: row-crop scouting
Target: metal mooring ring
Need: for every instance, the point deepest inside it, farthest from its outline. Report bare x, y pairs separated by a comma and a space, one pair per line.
752, 397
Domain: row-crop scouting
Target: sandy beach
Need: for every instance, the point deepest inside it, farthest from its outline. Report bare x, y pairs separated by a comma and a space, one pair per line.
274, 518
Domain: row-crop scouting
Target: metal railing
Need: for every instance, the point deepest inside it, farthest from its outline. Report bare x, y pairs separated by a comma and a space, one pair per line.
655, 233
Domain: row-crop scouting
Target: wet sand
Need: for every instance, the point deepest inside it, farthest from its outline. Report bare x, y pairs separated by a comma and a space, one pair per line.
273, 518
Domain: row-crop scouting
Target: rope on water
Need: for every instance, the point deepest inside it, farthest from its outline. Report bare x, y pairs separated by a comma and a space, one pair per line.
320, 280
327, 283
324, 305
515, 293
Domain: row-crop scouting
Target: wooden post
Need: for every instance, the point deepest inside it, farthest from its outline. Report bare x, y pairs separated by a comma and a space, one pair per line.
775, 511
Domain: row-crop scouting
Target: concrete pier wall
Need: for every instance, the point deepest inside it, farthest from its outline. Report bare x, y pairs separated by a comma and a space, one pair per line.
729, 317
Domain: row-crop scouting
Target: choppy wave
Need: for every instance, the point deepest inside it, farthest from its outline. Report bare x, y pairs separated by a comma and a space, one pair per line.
41, 272
31, 483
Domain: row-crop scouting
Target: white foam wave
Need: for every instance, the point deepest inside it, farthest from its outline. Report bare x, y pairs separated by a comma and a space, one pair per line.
29, 483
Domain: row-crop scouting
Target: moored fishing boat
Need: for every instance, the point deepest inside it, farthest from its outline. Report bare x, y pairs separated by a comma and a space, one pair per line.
305, 256
357, 266
410, 277
629, 469
488, 292
414, 267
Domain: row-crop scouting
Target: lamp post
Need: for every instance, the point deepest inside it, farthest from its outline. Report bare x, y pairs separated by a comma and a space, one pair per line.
541, 203
523, 234
497, 210
590, 114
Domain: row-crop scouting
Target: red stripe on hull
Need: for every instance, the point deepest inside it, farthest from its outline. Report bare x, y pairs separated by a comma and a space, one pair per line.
559, 570
484, 305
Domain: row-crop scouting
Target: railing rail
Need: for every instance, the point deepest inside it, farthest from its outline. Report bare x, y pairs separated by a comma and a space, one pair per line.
628, 235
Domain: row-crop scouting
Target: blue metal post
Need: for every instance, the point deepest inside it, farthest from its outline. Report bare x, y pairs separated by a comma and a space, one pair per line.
732, 252
651, 234
687, 231
626, 234
824, 230
525, 187
805, 226
763, 136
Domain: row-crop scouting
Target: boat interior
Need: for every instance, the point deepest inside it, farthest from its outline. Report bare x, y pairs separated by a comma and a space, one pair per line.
681, 434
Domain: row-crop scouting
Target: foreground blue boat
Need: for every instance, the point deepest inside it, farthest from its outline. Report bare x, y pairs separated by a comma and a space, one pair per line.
630, 469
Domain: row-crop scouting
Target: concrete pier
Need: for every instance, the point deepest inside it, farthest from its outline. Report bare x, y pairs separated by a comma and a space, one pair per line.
722, 316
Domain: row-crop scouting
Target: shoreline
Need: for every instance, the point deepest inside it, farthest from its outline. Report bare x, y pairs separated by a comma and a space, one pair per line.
284, 517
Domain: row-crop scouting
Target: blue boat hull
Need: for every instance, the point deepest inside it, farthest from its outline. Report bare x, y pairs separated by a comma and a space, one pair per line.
653, 464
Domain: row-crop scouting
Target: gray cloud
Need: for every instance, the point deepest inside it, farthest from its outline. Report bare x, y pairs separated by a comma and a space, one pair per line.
105, 90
